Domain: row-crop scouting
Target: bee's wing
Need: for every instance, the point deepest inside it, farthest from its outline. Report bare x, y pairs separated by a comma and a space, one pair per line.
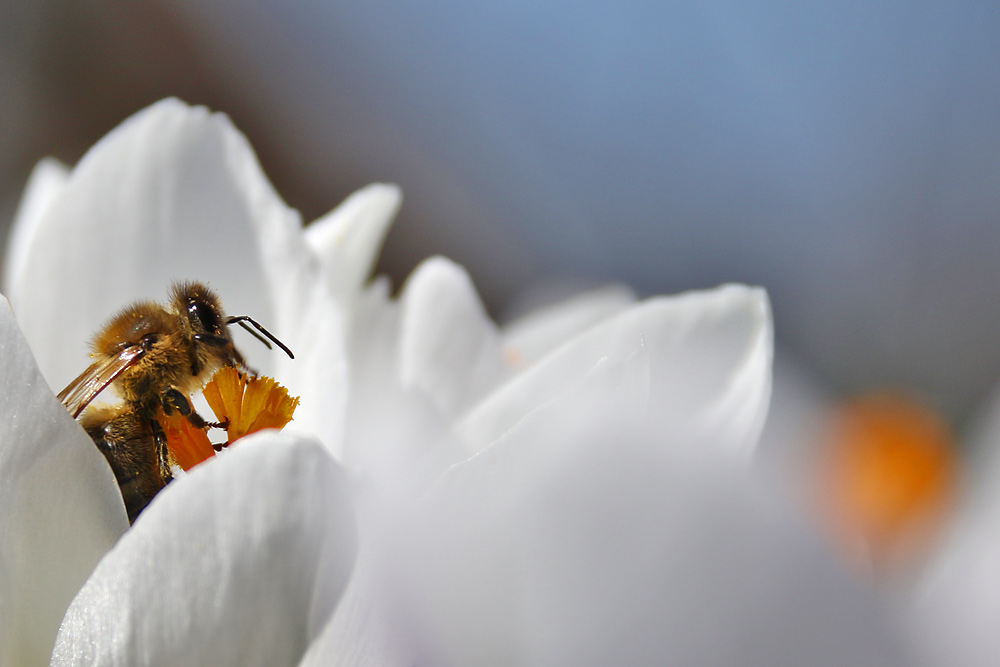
81, 391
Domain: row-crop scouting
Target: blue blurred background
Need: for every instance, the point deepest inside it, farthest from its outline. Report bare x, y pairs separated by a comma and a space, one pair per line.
845, 154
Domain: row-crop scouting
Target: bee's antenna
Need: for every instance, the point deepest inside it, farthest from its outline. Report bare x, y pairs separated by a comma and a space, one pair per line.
242, 321
253, 333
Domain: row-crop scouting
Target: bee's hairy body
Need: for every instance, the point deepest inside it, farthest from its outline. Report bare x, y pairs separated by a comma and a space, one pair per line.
127, 439
155, 357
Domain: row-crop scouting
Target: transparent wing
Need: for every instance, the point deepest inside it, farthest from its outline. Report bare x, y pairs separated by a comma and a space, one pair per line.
80, 392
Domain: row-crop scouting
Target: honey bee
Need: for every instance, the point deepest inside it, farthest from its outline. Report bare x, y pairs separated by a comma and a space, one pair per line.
154, 356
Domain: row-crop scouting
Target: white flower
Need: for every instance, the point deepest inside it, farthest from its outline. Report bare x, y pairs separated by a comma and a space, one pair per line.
569, 489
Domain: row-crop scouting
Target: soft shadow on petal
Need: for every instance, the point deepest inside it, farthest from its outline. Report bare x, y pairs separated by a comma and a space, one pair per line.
60, 508
448, 346
161, 198
581, 539
46, 183
241, 562
955, 608
708, 353
347, 239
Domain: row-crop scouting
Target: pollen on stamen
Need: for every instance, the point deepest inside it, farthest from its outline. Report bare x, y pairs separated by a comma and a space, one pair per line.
248, 404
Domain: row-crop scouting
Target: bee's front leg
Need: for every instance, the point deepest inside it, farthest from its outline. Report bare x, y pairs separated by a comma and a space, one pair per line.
173, 399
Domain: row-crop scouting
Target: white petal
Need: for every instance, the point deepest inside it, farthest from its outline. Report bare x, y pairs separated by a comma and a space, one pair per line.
347, 240
241, 562
45, 184
172, 194
709, 354
531, 337
60, 508
579, 540
449, 348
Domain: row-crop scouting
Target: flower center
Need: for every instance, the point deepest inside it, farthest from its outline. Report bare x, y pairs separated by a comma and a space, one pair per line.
242, 403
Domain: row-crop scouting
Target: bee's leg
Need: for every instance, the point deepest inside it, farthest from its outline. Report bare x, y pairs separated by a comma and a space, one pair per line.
173, 399
161, 450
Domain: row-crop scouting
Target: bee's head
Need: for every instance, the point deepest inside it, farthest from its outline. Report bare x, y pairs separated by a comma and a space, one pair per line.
206, 325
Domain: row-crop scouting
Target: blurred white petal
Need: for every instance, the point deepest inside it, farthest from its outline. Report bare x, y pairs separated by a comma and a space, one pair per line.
60, 508
578, 540
449, 348
709, 354
241, 562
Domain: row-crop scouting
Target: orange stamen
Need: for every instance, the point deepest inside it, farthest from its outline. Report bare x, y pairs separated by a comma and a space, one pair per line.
188, 446
248, 404
245, 404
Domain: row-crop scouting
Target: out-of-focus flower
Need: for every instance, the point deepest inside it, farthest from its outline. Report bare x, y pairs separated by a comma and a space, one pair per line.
572, 488
878, 471
916, 511
889, 473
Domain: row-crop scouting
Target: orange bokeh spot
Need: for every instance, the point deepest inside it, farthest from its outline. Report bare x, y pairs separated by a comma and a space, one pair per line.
888, 477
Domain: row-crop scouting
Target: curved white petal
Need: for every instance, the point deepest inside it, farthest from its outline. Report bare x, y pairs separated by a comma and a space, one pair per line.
709, 363
60, 508
578, 539
46, 183
241, 562
348, 238
168, 195
448, 346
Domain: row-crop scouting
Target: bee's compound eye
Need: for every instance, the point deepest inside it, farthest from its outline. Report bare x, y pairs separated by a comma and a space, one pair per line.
205, 314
